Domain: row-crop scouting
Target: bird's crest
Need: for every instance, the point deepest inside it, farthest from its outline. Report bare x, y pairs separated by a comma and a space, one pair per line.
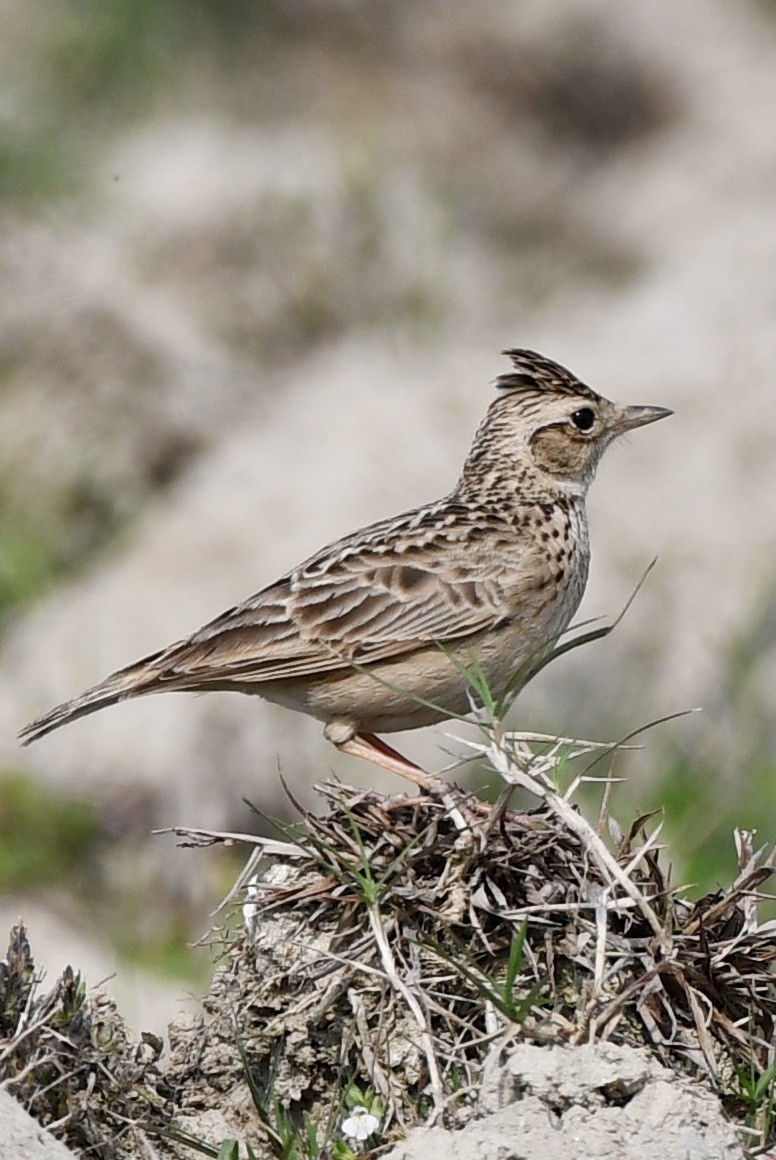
535, 373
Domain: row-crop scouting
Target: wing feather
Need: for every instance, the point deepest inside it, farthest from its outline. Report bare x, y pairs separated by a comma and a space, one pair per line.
378, 594
355, 612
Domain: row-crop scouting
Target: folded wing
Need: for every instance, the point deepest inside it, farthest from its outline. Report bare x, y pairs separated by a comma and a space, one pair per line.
336, 610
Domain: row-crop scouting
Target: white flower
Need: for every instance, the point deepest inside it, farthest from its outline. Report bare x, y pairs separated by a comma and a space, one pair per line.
360, 1124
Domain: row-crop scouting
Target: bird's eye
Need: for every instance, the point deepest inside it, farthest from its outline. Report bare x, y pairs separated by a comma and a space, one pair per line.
583, 419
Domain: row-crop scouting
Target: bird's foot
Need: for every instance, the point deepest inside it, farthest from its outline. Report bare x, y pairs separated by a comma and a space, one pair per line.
374, 749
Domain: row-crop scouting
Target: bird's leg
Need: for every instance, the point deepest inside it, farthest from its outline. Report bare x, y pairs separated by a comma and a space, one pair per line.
380, 752
373, 749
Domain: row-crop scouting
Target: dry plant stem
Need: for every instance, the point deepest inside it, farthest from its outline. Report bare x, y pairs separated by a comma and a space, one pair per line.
524, 735
748, 880
585, 1027
600, 945
520, 741
41, 1062
603, 813
370, 1057
19, 1038
389, 966
262, 846
649, 844
500, 806
704, 1039
599, 852
587, 835
195, 836
243, 880
620, 1001
148, 1152
619, 907
745, 856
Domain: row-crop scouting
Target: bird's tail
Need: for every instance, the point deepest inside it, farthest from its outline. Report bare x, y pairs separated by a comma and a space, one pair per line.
141, 677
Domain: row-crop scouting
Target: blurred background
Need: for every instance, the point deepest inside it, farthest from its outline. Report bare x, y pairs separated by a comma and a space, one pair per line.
257, 261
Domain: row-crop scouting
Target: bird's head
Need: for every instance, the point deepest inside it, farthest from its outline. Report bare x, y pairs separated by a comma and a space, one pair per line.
549, 427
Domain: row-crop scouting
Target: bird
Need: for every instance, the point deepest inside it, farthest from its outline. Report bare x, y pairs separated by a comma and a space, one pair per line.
378, 631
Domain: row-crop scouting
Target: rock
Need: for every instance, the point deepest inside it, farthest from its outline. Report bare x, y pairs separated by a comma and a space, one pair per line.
602, 1101
22, 1138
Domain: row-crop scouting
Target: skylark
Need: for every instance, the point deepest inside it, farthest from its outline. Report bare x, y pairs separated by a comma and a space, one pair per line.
372, 634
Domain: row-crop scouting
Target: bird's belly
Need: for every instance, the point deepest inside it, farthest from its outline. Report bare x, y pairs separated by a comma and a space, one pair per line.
421, 688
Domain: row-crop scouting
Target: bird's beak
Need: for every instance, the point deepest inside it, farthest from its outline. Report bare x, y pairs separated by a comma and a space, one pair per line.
632, 417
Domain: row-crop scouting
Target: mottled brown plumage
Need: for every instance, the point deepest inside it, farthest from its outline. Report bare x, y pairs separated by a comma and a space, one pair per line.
369, 635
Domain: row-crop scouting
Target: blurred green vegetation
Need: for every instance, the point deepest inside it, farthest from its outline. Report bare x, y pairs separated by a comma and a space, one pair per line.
94, 63
703, 802
46, 838
110, 57
33, 164
54, 843
728, 781
169, 955
26, 565
48, 537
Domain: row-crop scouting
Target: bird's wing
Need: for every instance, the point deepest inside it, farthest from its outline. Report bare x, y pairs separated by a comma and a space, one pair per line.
384, 592
357, 608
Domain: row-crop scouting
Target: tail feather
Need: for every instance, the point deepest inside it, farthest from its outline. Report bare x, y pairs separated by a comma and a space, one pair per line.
133, 681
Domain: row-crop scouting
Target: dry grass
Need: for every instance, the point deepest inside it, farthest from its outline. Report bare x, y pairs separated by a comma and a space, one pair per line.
69, 1060
408, 939
394, 948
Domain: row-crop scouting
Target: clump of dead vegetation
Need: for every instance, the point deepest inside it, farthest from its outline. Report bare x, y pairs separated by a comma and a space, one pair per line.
66, 1055
393, 948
